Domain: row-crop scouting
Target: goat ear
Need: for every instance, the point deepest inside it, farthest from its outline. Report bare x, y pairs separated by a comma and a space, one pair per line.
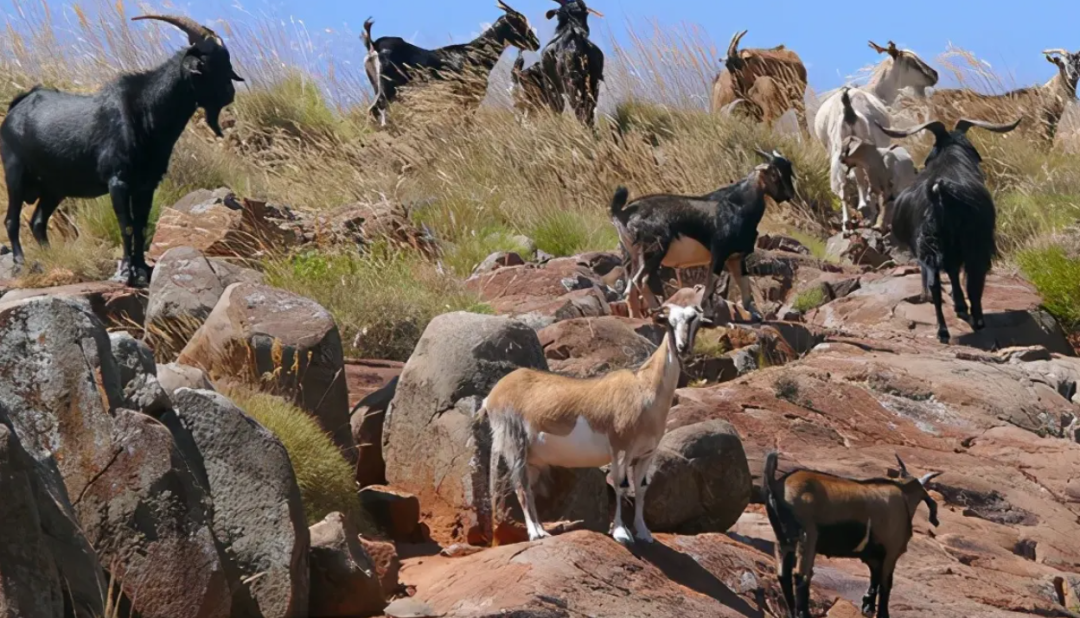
926, 478
551, 13
661, 317
236, 78
193, 63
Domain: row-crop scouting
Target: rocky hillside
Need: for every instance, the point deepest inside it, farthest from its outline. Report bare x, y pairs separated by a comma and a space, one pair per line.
134, 479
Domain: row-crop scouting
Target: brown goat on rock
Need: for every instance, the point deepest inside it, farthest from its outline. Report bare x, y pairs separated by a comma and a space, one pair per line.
817, 513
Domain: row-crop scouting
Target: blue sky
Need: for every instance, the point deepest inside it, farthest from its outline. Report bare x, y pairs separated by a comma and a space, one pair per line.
830, 35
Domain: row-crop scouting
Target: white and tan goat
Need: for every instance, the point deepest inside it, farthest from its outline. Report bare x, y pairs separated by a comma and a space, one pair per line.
888, 171
540, 419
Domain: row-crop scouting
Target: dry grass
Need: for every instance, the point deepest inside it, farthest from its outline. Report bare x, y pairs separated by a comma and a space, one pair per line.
299, 134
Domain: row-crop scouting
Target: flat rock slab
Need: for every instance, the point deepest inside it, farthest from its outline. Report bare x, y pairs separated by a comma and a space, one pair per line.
115, 304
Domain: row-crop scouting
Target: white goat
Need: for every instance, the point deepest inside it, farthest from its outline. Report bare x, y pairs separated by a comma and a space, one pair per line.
855, 111
888, 170
541, 419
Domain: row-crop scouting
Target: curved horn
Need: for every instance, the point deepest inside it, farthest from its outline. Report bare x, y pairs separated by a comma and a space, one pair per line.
768, 157
1060, 52
879, 49
595, 12
926, 478
964, 124
196, 32
733, 46
934, 126
903, 468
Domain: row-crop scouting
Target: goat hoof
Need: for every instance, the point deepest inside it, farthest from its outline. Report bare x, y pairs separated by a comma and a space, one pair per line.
622, 535
943, 337
978, 324
645, 536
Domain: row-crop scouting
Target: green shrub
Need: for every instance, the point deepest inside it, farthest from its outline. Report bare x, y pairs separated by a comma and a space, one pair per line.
382, 300
809, 299
1057, 277
327, 481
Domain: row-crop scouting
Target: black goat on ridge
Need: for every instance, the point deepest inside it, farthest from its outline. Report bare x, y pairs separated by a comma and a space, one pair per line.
715, 230
947, 218
570, 67
392, 63
118, 141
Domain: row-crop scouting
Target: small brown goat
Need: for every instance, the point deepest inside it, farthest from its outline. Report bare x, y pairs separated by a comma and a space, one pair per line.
744, 68
817, 513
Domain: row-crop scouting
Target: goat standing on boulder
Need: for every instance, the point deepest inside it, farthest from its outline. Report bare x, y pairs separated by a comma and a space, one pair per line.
817, 513
947, 218
715, 230
392, 63
541, 419
118, 141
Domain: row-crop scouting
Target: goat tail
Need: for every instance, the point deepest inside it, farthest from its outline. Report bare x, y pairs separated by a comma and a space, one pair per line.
768, 477
368, 41
622, 195
510, 444
849, 112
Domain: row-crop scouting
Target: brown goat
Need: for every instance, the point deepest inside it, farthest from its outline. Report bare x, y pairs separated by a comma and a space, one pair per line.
817, 513
1045, 103
745, 67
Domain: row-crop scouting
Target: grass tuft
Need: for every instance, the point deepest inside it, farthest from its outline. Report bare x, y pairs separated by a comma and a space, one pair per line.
809, 299
1057, 277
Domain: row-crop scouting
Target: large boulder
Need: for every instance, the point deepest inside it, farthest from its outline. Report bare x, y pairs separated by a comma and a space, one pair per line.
219, 223
138, 375
115, 304
587, 347
435, 448
184, 289
149, 520
561, 289
284, 343
344, 580
700, 480
29, 577
258, 515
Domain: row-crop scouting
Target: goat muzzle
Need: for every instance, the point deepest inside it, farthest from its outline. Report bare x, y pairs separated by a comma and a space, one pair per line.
197, 33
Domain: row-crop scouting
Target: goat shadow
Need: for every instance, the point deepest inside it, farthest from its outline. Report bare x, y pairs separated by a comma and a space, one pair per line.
1018, 328
684, 570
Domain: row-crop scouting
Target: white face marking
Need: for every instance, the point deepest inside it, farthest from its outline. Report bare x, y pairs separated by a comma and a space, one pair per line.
684, 322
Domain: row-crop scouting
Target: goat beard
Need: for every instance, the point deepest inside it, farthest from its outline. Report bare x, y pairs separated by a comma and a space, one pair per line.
212, 115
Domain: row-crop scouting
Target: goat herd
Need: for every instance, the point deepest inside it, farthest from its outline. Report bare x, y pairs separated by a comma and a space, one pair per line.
118, 141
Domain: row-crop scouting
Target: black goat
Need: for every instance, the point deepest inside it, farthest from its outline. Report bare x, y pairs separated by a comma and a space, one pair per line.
392, 63
570, 67
817, 513
118, 141
947, 218
718, 229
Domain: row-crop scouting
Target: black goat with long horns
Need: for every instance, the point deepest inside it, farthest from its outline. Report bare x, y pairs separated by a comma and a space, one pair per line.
393, 63
570, 67
947, 217
118, 141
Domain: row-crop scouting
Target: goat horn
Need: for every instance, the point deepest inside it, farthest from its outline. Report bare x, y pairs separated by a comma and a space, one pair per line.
964, 124
196, 32
1061, 52
768, 157
595, 12
903, 468
879, 49
733, 47
934, 126
926, 478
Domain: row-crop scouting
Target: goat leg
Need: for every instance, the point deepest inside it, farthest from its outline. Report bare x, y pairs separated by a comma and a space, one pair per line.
786, 568
976, 281
39, 222
959, 304
869, 600
935, 294
887, 570
807, 552
14, 216
120, 194
641, 468
141, 203
618, 473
